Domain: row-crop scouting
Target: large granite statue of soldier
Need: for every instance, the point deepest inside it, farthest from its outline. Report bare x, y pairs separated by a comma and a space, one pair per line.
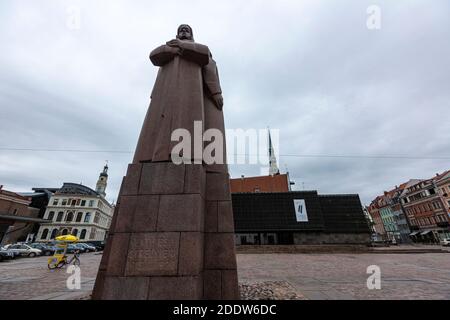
172, 234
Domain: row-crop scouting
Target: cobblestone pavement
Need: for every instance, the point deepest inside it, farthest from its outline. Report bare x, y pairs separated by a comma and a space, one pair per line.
343, 276
29, 278
310, 276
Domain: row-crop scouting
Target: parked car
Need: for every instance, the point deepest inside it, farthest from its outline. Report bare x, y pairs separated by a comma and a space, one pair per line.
446, 242
47, 250
80, 247
23, 250
6, 255
99, 245
72, 247
88, 247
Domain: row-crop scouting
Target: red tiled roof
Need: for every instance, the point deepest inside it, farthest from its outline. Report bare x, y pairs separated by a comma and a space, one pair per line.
440, 176
13, 194
276, 183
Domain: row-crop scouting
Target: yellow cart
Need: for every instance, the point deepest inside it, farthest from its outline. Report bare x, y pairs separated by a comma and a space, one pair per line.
59, 258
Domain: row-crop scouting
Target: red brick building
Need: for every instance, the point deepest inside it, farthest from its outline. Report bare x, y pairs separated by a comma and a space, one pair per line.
374, 211
443, 186
426, 210
271, 183
17, 218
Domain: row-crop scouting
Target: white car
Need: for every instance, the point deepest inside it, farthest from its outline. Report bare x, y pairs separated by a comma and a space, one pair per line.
446, 242
23, 250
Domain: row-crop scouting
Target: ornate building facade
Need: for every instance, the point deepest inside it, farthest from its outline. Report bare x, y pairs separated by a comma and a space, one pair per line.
78, 210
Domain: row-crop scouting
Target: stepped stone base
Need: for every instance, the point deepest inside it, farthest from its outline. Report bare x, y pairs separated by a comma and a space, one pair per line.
172, 236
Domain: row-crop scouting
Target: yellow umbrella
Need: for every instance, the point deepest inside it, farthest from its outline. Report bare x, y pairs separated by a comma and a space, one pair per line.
67, 238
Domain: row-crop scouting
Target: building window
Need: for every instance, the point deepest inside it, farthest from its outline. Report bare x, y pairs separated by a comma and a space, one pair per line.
97, 217
54, 233
75, 232
73, 203
64, 232
69, 217
83, 203
51, 215
64, 202
79, 216
83, 234
55, 202
60, 216
44, 234
87, 217
91, 203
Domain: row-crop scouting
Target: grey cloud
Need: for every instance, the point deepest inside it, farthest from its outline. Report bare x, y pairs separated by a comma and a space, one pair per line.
309, 68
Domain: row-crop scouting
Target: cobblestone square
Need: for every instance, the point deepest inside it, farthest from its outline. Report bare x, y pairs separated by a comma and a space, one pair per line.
302, 276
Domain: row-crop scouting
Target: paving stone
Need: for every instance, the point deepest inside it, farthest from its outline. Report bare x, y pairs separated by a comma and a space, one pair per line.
313, 276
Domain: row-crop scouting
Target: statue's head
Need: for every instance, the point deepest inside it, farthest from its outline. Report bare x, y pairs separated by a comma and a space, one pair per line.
185, 32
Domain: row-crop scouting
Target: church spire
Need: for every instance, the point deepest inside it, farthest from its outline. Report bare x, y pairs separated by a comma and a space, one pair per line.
273, 169
102, 181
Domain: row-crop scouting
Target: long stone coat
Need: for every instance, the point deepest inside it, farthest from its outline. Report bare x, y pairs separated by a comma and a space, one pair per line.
181, 95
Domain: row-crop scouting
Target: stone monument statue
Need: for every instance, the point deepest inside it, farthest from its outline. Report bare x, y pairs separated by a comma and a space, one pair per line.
172, 234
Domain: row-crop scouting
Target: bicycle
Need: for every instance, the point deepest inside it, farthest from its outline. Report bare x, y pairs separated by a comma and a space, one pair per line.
60, 260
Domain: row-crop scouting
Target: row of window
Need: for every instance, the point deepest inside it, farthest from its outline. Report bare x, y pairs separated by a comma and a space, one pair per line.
389, 219
420, 195
419, 186
64, 232
73, 202
428, 220
77, 233
70, 216
429, 206
444, 191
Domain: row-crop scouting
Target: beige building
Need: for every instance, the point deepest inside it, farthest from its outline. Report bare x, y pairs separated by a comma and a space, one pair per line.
78, 210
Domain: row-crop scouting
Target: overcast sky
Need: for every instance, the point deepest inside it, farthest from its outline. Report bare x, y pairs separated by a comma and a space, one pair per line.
311, 69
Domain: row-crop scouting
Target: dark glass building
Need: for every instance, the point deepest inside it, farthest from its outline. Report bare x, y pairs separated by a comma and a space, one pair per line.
300, 217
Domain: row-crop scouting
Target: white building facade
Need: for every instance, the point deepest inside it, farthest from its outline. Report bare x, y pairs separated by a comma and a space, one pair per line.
78, 210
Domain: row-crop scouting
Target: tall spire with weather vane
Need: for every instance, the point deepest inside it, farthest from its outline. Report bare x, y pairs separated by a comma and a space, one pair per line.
273, 168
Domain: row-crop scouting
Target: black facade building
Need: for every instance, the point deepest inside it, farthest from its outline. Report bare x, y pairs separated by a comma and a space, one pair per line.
300, 217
